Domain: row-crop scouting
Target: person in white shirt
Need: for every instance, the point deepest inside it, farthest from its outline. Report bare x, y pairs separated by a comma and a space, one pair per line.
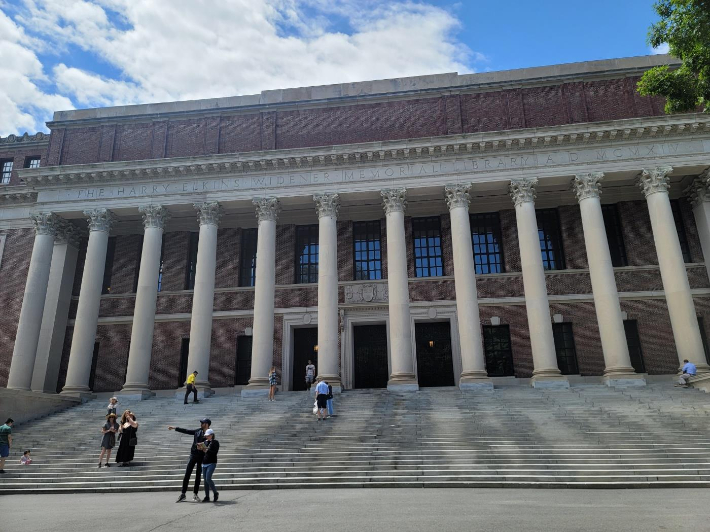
310, 374
321, 400
689, 370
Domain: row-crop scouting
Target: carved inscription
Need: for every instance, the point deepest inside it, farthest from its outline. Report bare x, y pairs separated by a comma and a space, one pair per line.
366, 293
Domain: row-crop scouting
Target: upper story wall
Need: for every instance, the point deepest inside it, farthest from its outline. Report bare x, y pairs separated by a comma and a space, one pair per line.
19, 149
359, 112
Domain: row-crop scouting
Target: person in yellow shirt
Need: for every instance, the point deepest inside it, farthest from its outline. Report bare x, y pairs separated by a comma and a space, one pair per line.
191, 388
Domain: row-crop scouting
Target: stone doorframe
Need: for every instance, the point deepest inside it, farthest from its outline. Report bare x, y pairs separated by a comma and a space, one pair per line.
438, 314
350, 318
295, 320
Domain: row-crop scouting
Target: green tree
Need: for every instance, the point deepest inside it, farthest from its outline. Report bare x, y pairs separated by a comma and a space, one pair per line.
685, 26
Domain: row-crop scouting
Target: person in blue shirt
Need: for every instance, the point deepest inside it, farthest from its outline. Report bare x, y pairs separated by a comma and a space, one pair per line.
321, 399
689, 370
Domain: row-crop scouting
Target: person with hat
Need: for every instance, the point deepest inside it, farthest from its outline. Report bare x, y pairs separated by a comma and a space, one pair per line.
209, 463
196, 457
108, 441
190, 387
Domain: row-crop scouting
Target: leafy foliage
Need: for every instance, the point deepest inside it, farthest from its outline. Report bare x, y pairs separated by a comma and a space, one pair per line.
685, 26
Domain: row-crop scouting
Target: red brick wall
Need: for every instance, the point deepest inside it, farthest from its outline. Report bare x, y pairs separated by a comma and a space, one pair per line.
18, 153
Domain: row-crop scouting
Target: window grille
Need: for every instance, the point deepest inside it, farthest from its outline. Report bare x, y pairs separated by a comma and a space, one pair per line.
428, 260
487, 248
306, 254
548, 229
367, 251
247, 258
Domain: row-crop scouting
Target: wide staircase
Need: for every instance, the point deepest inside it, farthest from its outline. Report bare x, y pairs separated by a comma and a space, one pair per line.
587, 436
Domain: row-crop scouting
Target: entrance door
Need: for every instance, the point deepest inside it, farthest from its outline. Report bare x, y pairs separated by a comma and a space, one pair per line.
499, 356
242, 371
184, 354
634, 342
435, 364
305, 348
370, 356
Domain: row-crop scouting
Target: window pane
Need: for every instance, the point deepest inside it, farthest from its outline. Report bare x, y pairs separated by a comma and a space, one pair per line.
548, 228
247, 259
32, 161
427, 246
307, 254
5, 171
485, 234
612, 224
366, 246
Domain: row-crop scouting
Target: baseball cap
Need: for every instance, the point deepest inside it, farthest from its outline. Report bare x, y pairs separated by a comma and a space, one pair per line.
209, 432
206, 420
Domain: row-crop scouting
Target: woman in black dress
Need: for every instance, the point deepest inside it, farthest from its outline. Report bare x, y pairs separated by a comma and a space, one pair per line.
127, 446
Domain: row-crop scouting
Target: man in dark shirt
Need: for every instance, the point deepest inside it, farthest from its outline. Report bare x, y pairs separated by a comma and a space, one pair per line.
196, 457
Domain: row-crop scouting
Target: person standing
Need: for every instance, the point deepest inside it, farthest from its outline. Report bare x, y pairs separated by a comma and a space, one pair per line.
689, 370
196, 457
5, 442
321, 399
272, 383
310, 374
108, 441
127, 445
329, 401
209, 463
191, 388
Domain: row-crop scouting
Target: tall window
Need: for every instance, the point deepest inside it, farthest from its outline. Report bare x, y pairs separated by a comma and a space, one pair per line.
564, 346
612, 224
5, 171
108, 269
306, 254
136, 274
680, 228
634, 342
191, 267
487, 250
366, 245
499, 355
32, 161
247, 259
548, 229
428, 260
160, 269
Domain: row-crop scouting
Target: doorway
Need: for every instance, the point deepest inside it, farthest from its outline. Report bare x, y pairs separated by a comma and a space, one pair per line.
242, 369
305, 348
499, 355
634, 342
435, 364
370, 369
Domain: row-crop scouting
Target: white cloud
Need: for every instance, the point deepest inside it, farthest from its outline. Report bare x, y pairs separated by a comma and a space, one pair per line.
188, 49
24, 106
663, 48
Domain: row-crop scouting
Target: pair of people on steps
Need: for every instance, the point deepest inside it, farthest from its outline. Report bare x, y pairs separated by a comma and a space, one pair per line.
203, 455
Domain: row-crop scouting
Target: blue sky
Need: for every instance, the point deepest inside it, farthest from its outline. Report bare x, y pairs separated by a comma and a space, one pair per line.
60, 54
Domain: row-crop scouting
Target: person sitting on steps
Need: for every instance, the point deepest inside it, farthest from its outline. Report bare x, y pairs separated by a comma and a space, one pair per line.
689, 370
191, 388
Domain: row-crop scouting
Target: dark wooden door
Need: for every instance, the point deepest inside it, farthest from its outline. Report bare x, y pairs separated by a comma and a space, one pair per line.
242, 370
305, 342
184, 353
634, 342
435, 364
499, 355
370, 356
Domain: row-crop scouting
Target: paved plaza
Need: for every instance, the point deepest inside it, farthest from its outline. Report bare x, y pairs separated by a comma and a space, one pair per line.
363, 510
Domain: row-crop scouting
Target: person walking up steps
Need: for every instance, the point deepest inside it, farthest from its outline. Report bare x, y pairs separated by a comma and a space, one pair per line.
211, 447
310, 374
5, 442
321, 399
191, 388
196, 457
329, 401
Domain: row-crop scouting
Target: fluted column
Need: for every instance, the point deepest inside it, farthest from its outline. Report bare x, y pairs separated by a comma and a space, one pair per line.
56, 308
618, 370
87, 314
327, 206
28, 327
138, 371
402, 377
473, 360
655, 183
262, 348
546, 373
198, 358
699, 195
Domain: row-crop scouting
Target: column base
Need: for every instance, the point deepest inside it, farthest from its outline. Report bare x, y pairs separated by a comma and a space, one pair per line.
255, 390
549, 379
702, 368
82, 392
403, 382
138, 393
622, 377
475, 380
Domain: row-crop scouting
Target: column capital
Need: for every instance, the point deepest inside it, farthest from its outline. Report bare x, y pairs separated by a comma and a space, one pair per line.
588, 185
208, 213
67, 234
457, 195
45, 223
394, 199
267, 209
699, 190
327, 204
100, 220
523, 190
653, 180
154, 216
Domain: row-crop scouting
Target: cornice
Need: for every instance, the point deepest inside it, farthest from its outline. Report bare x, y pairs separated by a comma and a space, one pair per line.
17, 195
391, 152
12, 141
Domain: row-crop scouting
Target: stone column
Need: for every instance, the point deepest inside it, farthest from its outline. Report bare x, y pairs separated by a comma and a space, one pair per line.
28, 327
618, 370
473, 360
327, 206
699, 195
402, 377
87, 314
262, 347
546, 373
655, 183
56, 309
138, 371
198, 358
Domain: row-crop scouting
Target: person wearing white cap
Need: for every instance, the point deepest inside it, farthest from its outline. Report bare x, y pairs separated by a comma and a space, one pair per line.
209, 463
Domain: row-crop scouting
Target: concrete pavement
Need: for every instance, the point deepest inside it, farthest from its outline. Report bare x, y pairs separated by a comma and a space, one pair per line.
360, 510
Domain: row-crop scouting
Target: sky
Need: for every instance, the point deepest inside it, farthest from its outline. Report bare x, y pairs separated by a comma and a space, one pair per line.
72, 54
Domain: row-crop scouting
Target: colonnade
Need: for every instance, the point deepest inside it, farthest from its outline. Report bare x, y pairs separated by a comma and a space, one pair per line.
45, 281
